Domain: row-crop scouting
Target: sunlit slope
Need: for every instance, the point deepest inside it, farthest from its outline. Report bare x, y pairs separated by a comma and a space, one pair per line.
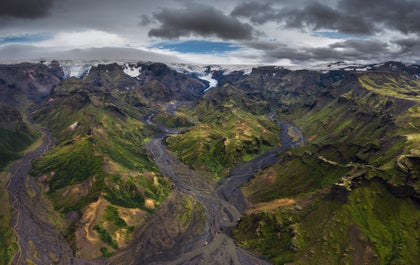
98, 171
353, 189
226, 132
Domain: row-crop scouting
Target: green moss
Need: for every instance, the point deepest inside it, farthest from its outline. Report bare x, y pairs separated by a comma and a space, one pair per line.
106, 253
223, 139
111, 214
105, 237
190, 208
70, 164
374, 226
124, 194
8, 244
268, 234
13, 143
391, 223
171, 121
394, 85
106, 143
300, 171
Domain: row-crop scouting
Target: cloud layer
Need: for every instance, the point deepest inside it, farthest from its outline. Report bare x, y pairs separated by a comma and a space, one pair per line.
347, 16
266, 31
199, 20
25, 8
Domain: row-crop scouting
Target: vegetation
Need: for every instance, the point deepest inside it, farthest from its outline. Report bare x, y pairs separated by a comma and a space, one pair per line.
125, 195
172, 121
267, 233
346, 209
368, 227
98, 154
105, 252
299, 172
13, 143
105, 237
224, 136
71, 164
353, 187
192, 213
8, 244
111, 214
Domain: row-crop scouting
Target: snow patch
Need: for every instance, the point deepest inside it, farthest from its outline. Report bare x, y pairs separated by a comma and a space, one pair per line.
209, 78
132, 70
247, 71
201, 68
78, 70
74, 126
362, 69
205, 72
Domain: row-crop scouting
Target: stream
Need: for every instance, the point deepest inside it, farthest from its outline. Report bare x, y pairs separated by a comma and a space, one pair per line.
41, 242
224, 205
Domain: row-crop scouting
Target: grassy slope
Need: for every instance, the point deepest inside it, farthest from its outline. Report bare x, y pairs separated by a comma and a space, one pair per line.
12, 144
8, 244
101, 156
170, 121
226, 133
374, 227
361, 133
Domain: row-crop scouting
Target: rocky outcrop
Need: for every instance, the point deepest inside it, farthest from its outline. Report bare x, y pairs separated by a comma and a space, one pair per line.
11, 119
21, 82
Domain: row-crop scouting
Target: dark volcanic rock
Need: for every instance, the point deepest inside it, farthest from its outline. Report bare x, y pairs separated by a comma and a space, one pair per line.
27, 81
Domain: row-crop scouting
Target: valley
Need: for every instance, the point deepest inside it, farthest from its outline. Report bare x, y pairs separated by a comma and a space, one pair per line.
145, 164
30, 209
222, 202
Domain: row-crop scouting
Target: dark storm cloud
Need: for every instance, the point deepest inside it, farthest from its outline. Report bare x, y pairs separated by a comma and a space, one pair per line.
346, 50
347, 16
199, 20
257, 12
319, 16
25, 8
409, 46
402, 15
360, 28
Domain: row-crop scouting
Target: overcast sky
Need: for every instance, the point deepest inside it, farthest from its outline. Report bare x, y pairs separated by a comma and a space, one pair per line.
279, 32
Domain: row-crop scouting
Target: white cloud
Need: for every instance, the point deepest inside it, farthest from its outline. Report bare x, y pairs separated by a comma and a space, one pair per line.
241, 56
83, 39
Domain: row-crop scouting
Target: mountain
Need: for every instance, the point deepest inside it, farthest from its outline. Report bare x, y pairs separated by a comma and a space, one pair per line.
154, 163
20, 85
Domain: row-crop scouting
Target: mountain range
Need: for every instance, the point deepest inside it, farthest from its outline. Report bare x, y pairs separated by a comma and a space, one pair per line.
152, 163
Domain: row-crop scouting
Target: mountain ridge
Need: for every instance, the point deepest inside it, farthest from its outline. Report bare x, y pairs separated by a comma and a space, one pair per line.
360, 125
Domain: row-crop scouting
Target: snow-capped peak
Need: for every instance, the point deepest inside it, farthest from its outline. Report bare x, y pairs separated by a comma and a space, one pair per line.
75, 69
205, 72
131, 70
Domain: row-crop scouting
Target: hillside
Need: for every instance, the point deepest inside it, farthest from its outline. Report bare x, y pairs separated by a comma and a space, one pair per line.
98, 172
151, 165
352, 185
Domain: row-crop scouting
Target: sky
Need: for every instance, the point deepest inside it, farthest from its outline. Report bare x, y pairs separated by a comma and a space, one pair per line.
279, 32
